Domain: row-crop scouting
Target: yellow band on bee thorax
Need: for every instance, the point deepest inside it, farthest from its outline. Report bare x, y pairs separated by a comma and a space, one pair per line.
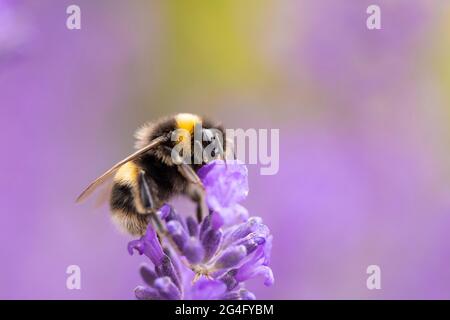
187, 121
127, 174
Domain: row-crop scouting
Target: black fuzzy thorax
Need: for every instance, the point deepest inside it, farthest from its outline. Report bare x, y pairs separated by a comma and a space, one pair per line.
164, 180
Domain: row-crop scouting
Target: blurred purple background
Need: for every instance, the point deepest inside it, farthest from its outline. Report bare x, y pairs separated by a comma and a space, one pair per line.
363, 116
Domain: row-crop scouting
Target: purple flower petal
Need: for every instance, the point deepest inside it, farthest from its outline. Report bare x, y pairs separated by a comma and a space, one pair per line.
250, 270
146, 293
164, 211
241, 294
166, 289
167, 269
192, 226
265, 271
225, 185
178, 233
149, 245
172, 215
233, 295
267, 250
193, 250
232, 215
205, 289
246, 295
211, 242
253, 243
231, 257
217, 220
205, 225
243, 229
229, 279
147, 274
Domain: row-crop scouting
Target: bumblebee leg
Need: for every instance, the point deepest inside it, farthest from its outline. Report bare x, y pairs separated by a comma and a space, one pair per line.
189, 174
148, 204
157, 223
199, 212
197, 194
145, 194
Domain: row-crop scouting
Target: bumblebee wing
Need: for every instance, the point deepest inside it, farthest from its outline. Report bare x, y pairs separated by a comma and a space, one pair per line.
110, 173
104, 192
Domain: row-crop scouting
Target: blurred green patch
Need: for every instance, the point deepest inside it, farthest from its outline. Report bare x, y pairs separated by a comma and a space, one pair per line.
442, 52
211, 44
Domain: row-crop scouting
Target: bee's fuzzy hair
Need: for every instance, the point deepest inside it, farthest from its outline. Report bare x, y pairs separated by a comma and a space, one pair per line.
130, 222
142, 134
149, 131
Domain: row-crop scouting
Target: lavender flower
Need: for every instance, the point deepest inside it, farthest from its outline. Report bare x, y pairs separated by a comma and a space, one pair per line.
226, 186
211, 259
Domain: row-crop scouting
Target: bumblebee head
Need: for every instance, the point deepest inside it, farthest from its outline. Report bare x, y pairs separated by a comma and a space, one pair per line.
193, 127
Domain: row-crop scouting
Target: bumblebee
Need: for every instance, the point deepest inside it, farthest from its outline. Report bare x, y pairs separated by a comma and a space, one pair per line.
147, 179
